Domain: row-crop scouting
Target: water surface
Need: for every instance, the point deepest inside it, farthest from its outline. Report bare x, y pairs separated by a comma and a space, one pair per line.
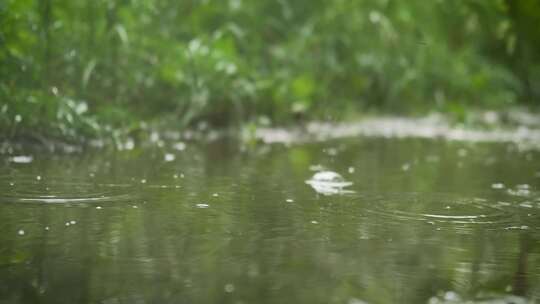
424, 221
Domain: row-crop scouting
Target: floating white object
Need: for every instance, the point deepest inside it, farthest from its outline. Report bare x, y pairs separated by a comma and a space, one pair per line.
328, 183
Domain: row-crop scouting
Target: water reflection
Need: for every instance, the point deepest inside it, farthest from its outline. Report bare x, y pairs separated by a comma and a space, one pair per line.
435, 231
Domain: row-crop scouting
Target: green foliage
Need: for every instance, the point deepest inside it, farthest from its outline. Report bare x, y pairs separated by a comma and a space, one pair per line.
231, 61
31, 113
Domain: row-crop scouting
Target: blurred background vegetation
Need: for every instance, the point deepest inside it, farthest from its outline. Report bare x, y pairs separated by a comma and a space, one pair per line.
82, 68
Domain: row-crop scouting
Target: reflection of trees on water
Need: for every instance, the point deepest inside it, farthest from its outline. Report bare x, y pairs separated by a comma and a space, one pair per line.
268, 249
520, 286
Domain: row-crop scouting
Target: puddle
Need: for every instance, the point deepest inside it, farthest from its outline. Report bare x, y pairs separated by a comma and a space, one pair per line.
349, 220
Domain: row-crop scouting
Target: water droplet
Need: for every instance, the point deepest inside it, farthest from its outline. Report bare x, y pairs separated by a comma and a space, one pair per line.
316, 168
331, 151
526, 204
452, 296
229, 288
21, 159
154, 137
375, 16
519, 192
129, 144
523, 227
356, 301
432, 158
497, 186
169, 157
180, 146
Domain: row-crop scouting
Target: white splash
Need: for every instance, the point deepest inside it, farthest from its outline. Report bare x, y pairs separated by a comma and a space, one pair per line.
329, 183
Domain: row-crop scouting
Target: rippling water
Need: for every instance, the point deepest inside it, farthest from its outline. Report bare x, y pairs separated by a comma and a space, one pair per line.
421, 221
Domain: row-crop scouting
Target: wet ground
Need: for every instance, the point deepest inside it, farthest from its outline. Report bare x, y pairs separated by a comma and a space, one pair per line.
351, 220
